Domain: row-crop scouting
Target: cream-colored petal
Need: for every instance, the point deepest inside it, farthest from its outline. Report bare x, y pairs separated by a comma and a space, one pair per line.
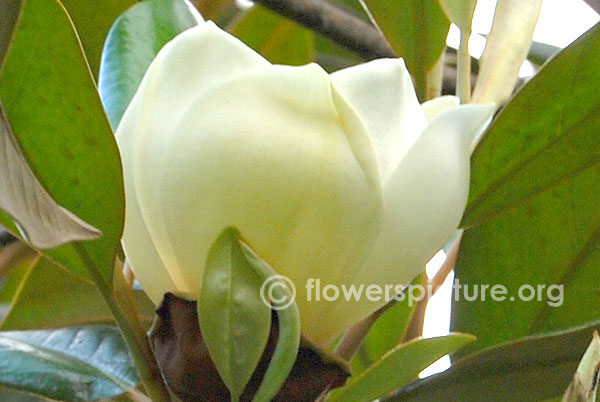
435, 107
138, 245
185, 69
382, 94
425, 198
264, 152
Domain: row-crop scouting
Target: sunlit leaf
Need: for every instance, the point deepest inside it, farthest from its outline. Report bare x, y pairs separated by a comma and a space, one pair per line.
533, 217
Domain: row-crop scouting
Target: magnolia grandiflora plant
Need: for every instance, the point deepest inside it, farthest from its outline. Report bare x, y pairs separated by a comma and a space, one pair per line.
343, 178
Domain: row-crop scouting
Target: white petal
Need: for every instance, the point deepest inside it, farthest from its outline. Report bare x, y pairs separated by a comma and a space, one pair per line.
186, 68
435, 107
382, 94
264, 152
425, 198
137, 243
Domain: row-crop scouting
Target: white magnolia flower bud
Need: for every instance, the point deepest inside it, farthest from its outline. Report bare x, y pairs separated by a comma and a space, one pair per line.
343, 178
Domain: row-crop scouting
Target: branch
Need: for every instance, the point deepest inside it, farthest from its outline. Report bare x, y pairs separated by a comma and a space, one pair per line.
336, 24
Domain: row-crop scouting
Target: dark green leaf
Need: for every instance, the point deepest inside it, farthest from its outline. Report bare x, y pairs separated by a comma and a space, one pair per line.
234, 321
57, 118
278, 39
38, 304
417, 30
92, 20
534, 203
132, 43
398, 367
76, 364
528, 370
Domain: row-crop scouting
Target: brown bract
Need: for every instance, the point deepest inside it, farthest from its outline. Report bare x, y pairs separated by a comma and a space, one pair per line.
191, 375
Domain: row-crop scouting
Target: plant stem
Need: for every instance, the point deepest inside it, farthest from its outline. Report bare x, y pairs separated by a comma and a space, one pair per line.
131, 330
463, 66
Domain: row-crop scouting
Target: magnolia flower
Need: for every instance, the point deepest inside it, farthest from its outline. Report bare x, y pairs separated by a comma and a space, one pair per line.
343, 178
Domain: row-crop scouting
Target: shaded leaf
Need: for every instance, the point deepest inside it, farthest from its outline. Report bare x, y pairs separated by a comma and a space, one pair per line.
76, 364
528, 370
417, 30
534, 203
45, 224
132, 43
278, 39
9, 10
57, 118
405, 361
78, 301
234, 320
585, 381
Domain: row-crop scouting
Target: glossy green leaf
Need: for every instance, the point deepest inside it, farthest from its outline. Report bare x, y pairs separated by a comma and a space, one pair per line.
529, 370
75, 364
417, 30
42, 222
534, 205
92, 20
57, 118
405, 361
78, 301
288, 336
278, 39
234, 321
132, 43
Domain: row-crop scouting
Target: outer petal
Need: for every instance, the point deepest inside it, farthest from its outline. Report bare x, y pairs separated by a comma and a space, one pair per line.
137, 243
184, 69
382, 94
264, 152
425, 198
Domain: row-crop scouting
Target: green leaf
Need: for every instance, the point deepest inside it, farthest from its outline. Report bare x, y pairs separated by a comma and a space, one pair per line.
78, 302
529, 370
43, 223
417, 30
76, 364
57, 118
405, 361
234, 321
93, 19
288, 337
534, 203
388, 331
132, 43
278, 39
